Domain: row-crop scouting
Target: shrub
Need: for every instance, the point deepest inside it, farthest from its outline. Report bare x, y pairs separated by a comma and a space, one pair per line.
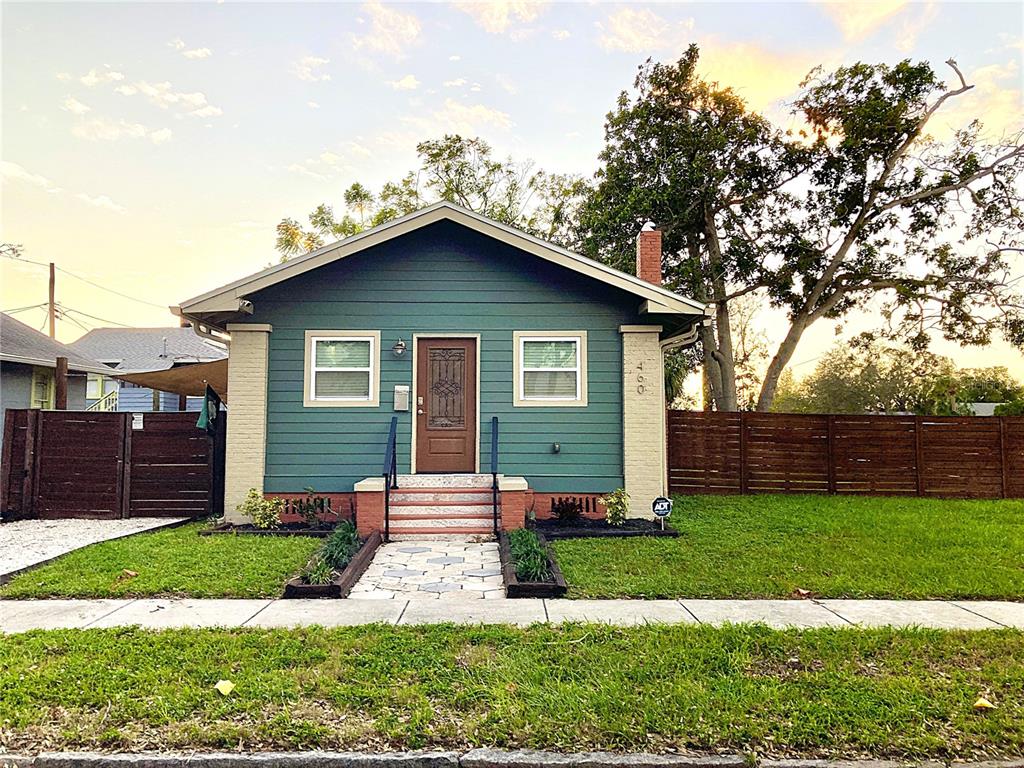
317, 571
1012, 408
341, 546
567, 510
616, 506
265, 513
308, 508
529, 556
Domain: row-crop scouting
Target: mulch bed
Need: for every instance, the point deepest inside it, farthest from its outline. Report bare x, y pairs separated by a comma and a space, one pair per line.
343, 582
586, 527
286, 529
556, 587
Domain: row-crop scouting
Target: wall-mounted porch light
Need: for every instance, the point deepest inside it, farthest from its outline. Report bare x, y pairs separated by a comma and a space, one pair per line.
399, 348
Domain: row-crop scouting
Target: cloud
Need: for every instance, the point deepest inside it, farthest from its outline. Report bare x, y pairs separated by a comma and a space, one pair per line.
165, 96
762, 77
914, 24
13, 172
101, 201
497, 16
857, 19
189, 53
561, 34
312, 105
307, 68
996, 100
407, 83
74, 106
454, 57
456, 117
391, 31
640, 30
105, 129
506, 84
93, 77
456, 83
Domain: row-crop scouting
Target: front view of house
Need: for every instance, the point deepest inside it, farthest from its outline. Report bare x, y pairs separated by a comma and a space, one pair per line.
447, 321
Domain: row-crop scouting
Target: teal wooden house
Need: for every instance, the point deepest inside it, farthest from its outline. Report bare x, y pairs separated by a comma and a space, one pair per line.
445, 373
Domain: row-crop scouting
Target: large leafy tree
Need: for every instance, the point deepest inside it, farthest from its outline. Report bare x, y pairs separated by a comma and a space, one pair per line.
870, 376
864, 208
459, 170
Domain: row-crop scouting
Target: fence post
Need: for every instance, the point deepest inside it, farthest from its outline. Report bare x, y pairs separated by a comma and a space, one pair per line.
125, 496
743, 452
1002, 456
30, 494
919, 455
6, 470
831, 458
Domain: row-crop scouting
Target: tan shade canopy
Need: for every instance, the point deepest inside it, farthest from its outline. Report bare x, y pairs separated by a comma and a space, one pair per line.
185, 379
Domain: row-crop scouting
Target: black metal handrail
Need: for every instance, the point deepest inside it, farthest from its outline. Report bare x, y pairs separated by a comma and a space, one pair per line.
390, 474
494, 470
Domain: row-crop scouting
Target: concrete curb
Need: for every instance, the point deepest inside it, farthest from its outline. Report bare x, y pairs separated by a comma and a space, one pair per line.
476, 758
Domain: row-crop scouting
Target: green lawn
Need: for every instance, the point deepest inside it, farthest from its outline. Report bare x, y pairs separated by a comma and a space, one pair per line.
174, 561
834, 546
816, 693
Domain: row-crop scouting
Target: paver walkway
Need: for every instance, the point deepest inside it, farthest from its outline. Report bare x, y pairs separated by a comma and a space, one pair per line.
24, 615
24, 543
432, 570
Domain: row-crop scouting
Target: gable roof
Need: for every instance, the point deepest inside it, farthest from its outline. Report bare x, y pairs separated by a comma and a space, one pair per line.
21, 344
229, 299
147, 349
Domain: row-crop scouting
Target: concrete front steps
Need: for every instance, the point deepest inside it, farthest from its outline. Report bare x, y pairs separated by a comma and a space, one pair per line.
425, 506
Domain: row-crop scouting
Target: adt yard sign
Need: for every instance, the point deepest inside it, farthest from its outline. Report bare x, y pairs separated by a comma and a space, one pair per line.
662, 508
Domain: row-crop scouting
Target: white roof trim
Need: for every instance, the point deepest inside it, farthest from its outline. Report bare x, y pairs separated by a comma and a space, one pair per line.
227, 298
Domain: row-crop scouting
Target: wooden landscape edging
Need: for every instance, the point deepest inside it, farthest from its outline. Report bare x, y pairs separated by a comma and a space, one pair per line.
931, 456
514, 588
342, 584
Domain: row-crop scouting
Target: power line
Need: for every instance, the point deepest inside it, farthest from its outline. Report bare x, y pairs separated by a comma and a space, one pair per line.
85, 280
93, 317
22, 309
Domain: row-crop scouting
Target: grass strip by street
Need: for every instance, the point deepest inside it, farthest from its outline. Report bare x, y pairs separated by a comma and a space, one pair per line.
835, 546
171, 562
825, 692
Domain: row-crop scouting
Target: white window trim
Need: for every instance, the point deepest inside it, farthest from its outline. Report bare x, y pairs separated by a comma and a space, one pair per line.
519, 398
309, 370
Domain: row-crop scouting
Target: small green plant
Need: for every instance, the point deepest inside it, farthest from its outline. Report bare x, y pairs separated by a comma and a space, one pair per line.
309, 508
616, 505
318, 572
341, 546
529, 555
567, 510
1012, 408
265, 513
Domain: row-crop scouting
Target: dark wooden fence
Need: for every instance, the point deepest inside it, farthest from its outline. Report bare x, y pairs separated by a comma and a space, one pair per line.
105, 465
976, 456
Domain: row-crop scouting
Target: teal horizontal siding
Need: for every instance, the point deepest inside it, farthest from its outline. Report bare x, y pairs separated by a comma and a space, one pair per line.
445, 279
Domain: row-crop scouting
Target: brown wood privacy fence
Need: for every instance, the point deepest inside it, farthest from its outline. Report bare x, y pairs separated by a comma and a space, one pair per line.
106, 465
977, 456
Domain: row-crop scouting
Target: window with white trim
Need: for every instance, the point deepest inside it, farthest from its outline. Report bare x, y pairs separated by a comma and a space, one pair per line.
550, 368
342, 369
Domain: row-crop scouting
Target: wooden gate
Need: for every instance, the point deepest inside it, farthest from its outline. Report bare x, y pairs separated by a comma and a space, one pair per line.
87, 464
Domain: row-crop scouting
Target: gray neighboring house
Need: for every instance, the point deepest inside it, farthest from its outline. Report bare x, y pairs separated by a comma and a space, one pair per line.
28, 363
142, 350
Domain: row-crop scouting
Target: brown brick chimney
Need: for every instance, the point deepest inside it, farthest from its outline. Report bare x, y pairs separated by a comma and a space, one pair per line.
648, 254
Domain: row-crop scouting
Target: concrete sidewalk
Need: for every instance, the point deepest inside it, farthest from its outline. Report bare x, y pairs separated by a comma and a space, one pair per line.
24, 615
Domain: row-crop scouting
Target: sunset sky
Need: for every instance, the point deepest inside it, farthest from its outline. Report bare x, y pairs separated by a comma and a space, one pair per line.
151, 148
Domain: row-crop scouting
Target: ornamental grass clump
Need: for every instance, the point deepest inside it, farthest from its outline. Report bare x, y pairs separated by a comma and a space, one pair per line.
341, 546
529, 556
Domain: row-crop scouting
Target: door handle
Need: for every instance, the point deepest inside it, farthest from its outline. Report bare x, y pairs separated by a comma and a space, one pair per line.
419, 411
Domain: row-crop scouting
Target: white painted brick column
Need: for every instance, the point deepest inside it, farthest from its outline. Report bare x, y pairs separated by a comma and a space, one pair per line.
247, 414
643, 417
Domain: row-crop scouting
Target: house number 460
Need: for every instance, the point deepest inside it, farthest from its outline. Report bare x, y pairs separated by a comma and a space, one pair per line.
641, 379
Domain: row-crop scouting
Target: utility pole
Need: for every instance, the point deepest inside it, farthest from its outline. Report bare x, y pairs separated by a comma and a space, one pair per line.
53, 308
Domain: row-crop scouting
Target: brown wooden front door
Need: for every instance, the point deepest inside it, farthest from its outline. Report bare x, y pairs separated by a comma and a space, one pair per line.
446, 405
